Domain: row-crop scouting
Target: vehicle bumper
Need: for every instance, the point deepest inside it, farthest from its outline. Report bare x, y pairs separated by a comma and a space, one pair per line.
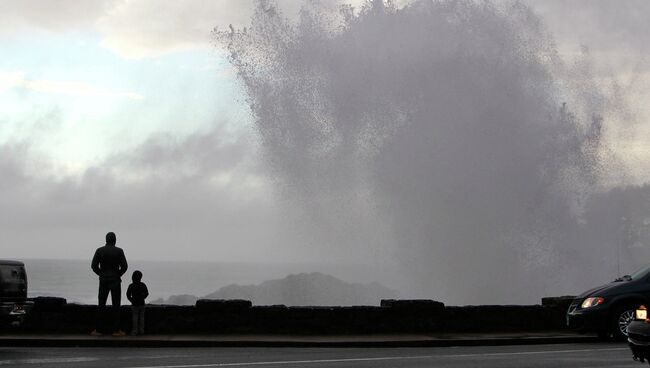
591, 319
15, 312
639, 340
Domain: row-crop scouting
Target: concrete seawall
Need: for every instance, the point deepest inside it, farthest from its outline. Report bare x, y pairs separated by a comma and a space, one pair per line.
54, 315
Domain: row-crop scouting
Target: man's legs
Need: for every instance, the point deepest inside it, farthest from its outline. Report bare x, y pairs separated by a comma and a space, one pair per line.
101, 305
116, 298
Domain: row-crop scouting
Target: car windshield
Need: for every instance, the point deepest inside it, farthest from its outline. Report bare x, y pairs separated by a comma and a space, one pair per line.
641, 273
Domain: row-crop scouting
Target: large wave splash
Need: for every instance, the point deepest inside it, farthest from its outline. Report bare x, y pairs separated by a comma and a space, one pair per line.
447, 134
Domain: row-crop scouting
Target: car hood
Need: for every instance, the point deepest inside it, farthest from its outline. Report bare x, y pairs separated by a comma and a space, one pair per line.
612, 288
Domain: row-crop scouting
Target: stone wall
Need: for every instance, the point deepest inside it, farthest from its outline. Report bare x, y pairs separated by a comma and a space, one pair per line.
54, 315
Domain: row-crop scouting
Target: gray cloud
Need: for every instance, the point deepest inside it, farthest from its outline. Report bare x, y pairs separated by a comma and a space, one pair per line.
617, 31
161, 210
200, 153
149, 27
130, 28
11, 166
137, 29
55, 15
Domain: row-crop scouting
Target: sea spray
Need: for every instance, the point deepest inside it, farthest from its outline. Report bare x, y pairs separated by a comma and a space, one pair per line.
437, 133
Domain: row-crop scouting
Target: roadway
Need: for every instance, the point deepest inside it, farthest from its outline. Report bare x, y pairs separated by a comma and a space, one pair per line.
556, 356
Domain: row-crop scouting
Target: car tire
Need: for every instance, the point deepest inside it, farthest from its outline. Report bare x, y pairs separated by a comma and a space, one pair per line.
621, 318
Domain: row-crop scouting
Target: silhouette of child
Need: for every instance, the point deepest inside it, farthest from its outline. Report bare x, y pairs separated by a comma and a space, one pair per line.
137, 293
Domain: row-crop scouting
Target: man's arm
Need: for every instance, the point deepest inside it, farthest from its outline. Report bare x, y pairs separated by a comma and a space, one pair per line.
95, 263
123, 265
145, 292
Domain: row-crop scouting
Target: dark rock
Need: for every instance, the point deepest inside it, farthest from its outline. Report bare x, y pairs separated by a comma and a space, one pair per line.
170, 319
417, 315
307, 289
414, 304
49, 303
558, 301
239, 316
222, 305
182, 299
502, 318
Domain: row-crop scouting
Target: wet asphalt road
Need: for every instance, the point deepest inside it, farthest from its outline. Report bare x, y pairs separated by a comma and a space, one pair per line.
556, 356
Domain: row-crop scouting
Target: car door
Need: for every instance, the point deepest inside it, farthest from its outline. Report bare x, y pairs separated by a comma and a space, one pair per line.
645, 289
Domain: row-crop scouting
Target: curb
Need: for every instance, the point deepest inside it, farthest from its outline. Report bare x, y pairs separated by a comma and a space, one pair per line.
202, 343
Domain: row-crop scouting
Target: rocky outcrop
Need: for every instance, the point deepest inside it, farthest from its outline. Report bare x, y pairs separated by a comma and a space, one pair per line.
297, 290
183, 299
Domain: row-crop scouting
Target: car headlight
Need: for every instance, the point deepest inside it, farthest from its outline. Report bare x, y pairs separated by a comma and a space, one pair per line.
592, 302
641, 313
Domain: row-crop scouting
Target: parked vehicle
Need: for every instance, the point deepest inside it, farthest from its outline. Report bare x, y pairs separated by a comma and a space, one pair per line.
14, 305
609, 309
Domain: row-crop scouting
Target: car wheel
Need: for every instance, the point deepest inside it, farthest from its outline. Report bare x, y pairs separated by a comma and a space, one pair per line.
622, 318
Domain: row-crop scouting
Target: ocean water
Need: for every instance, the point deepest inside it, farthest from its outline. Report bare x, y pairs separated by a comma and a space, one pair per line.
75, 281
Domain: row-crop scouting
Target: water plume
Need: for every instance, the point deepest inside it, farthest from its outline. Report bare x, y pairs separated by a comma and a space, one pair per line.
446, 134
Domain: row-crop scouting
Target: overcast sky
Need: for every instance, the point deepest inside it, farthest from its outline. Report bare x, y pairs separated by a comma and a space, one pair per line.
123, 115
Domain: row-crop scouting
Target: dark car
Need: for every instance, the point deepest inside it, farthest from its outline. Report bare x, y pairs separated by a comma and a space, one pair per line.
14, 305
639, 335
609, 309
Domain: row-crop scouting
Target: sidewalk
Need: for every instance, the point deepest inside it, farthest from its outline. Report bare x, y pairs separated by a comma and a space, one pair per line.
256, 340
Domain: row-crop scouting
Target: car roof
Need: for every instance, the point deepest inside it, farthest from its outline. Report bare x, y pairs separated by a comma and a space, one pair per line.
4, 262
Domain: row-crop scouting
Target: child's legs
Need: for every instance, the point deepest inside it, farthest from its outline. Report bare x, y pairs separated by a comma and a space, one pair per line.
135, 319
141, 319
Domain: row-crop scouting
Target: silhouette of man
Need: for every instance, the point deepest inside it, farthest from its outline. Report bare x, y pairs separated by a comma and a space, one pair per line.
109, 263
